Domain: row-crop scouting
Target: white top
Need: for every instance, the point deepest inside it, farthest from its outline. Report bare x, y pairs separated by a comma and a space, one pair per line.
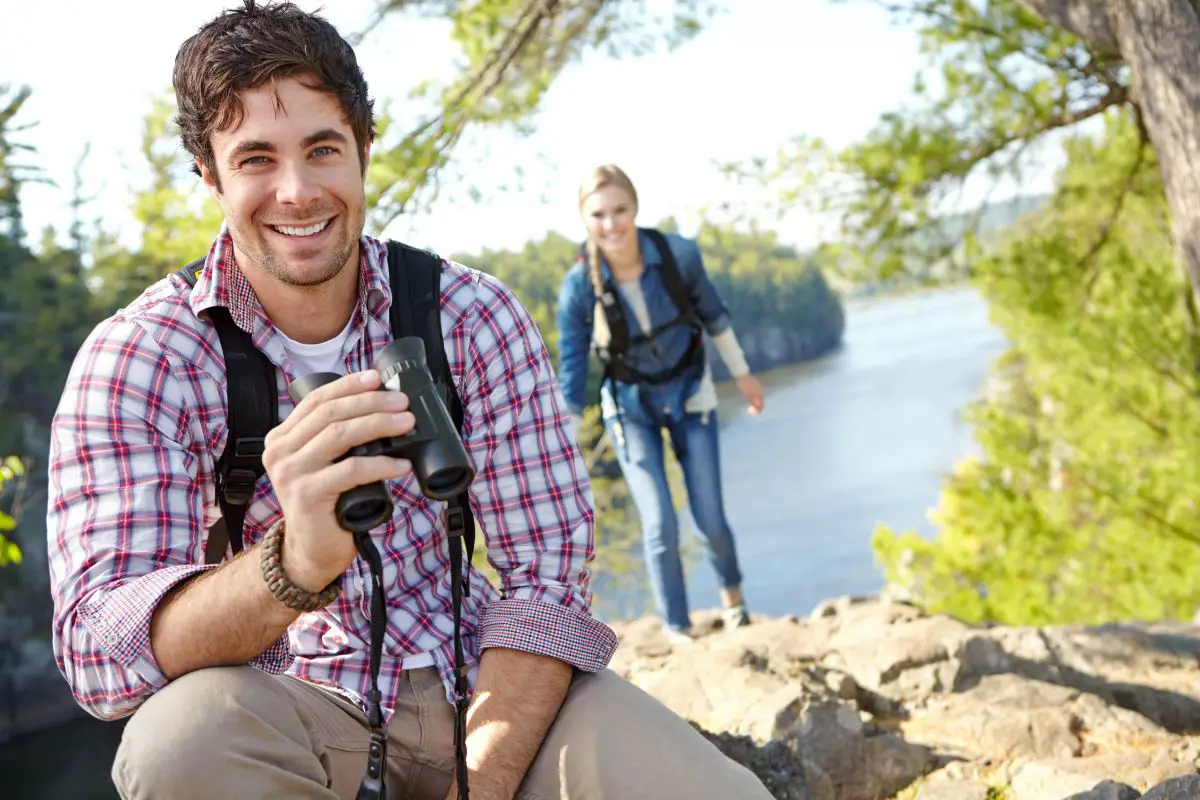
320, 357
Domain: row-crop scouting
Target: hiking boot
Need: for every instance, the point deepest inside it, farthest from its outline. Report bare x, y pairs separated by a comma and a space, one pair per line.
735, 617
679, 638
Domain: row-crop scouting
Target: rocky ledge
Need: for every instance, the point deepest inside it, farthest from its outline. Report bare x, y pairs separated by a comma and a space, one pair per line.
868, 699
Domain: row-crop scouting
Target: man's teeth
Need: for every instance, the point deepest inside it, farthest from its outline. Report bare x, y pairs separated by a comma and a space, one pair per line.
287, 230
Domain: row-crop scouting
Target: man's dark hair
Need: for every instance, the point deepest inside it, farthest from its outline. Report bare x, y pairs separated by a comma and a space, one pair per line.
248, 47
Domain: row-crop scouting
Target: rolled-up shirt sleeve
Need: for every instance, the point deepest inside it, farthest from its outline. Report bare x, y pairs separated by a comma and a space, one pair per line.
125, 517
532, 497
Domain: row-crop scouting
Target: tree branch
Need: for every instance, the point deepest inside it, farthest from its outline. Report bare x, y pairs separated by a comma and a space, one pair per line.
1085, 19
1088, 261
1117, 95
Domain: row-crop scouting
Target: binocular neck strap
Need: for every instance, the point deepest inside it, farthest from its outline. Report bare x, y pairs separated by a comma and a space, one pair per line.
372, 786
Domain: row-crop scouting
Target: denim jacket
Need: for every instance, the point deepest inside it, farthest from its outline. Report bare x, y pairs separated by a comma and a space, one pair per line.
576, 319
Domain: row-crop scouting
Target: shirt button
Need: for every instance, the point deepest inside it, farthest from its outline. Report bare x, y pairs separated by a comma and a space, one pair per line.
112, 639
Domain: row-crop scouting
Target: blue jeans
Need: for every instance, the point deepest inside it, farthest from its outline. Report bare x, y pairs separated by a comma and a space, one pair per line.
639, 449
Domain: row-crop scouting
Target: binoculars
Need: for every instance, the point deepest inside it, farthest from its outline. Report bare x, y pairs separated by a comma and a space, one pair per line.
438, 457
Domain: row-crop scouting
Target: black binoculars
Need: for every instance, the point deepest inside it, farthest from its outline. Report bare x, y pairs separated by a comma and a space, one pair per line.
438, 457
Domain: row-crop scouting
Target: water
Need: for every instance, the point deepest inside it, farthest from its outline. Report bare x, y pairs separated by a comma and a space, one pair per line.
860, 437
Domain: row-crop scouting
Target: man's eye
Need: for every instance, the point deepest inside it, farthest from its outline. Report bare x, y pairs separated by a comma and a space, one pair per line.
324, 151
254, 160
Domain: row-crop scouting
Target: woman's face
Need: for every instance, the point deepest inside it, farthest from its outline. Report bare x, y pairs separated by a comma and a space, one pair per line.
609, 214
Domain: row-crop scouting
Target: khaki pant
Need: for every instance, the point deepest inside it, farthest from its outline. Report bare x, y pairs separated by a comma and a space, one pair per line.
239, 733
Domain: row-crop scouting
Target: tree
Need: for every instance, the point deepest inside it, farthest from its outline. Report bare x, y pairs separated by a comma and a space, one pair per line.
1157, 40
10, 469
999, 84
12, 171
177, 218
513, 50
1083, 508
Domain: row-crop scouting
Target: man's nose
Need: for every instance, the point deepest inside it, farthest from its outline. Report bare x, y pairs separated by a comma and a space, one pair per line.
296, 185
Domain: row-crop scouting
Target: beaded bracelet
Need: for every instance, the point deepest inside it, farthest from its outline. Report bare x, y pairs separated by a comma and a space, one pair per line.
286, 592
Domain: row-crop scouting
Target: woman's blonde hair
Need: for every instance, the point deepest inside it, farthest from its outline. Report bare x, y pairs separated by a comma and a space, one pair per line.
597, 179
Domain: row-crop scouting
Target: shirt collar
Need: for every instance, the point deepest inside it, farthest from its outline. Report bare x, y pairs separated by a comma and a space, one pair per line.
222, 283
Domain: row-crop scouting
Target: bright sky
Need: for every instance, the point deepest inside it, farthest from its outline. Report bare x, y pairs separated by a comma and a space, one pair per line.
761, 72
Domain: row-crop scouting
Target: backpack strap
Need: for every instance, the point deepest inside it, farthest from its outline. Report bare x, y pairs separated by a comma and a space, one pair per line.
253, 410
416, 282
673, 279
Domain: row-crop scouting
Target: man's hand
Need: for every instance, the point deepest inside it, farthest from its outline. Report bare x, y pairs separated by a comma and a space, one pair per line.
752, 393
301, 455
228, 615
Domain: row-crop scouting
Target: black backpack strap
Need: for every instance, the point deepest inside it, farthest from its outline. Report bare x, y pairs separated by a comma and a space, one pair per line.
673, 279
253, 397
416, 282
614, 315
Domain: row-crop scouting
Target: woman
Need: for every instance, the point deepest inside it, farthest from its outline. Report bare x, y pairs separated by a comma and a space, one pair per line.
643, 299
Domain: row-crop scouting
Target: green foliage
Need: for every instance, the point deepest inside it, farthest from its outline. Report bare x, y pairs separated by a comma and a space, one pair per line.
997, 78
772, 290
10, 468
1084, 507
43, 304
177, 223
12, 171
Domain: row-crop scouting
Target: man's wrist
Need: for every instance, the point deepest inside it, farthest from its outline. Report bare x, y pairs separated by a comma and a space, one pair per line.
304, 571
291, 584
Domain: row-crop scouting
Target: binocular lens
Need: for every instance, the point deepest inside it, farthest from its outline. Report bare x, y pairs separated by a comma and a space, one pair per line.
364, 515
448, 482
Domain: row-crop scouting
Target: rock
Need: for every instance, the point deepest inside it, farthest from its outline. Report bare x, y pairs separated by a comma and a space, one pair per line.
944, 786
778, 764
839, 605
1108, 790
868, 699
1004, 716
1053, 779
831, 735
1185, 787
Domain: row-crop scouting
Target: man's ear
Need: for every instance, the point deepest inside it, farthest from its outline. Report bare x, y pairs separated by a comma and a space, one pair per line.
366, 158
210, 180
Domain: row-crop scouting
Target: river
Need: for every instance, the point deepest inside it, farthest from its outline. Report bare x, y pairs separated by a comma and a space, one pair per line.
859, 437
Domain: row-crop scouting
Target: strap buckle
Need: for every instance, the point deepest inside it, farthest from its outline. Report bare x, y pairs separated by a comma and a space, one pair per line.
238, 486
249, 446
456, 521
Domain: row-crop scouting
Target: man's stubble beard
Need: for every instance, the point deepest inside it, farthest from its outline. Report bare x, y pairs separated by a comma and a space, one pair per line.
271, 263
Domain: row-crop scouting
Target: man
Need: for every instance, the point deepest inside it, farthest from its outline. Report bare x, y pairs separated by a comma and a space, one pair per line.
234, 692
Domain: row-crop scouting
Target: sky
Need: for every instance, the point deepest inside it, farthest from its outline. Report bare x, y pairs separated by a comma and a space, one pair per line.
760, 73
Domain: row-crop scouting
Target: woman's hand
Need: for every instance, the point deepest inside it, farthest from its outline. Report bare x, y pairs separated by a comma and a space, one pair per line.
752, 392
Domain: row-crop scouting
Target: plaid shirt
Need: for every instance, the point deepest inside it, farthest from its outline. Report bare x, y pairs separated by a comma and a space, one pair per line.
133, 449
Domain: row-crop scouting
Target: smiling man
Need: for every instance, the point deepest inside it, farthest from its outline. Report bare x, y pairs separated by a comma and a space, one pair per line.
249, 676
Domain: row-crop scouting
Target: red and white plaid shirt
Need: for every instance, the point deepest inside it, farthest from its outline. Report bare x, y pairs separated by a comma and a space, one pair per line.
132, 457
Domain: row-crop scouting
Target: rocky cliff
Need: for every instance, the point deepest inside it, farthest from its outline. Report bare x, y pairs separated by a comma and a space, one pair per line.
868, 699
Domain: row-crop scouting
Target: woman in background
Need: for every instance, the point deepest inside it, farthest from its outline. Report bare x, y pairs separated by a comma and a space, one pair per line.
643, 299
